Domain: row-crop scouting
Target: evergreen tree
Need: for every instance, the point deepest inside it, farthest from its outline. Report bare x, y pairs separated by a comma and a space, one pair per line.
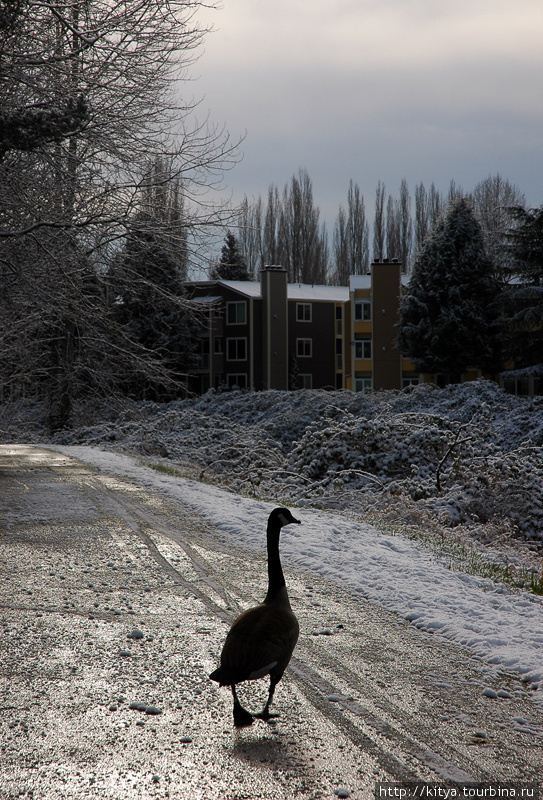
523, 292
232, 266
448, 316
158, 324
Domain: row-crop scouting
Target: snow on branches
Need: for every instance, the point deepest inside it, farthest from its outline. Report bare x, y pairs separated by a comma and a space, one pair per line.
468, 454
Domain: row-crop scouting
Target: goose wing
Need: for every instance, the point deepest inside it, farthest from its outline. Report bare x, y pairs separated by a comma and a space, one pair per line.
260, 640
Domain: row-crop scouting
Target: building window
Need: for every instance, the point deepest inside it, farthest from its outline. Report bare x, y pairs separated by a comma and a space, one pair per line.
518, 386
303, 312
218, 346
362, 348
409, 381
339, 353
362, 310
237, 379
236, 349
339, 320
204, 353
304, 348
362, 383
305, 381
236, 312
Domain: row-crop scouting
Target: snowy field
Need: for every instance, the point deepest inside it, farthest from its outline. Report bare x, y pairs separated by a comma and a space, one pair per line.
462, 465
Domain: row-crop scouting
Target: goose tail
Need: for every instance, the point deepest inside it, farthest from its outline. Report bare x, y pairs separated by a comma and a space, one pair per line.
216, 675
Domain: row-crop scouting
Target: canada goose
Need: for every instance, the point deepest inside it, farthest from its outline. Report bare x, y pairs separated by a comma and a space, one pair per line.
261, 640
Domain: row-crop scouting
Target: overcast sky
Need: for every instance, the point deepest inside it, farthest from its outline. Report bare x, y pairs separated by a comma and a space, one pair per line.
371, 90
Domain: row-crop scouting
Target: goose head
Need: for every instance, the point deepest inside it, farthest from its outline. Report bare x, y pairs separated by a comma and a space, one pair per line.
281, 517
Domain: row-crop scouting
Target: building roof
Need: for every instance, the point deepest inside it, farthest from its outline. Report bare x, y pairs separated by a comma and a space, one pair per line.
364, 281
295, 291
249, 288
359, 282
303, 291
206, 299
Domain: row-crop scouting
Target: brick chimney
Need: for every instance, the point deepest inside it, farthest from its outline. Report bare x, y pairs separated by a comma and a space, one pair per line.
386, 288
273, 281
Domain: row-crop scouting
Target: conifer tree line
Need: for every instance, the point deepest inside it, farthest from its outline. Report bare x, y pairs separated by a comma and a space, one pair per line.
285, 228
463, 309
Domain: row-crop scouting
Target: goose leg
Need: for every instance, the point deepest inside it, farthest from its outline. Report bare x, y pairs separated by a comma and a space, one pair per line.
265, 713
242, 718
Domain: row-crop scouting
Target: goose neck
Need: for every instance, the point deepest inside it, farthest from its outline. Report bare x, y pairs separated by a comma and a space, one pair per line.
276, 579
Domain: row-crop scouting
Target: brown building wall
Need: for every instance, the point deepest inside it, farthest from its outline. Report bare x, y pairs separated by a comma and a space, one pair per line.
320, 330
218, 367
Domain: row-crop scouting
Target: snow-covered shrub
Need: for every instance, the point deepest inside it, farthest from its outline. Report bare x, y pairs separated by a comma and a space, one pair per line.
468, 454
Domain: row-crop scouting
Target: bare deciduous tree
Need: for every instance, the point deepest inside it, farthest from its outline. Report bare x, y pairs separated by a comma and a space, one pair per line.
428, 208
250, 234
351, 248
492, 199
422, 217
288, 232
101, 80
379, 223
304, 242
406, 227
392, 228
270, 234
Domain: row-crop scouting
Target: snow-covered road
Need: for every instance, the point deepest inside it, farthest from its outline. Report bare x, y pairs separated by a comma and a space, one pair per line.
503, 628
90, 554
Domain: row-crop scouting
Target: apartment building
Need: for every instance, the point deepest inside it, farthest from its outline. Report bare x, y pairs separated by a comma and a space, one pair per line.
271, 334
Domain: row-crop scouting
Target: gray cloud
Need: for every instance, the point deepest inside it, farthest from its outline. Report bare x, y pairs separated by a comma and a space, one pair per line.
378, 90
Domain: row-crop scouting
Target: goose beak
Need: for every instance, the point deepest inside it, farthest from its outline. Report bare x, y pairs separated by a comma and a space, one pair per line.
284, 520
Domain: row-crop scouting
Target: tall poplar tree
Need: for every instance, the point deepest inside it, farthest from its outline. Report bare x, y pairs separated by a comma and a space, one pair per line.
379, 229
351, 233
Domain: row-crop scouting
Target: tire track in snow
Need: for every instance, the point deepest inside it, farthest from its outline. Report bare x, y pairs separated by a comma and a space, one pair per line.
313, 685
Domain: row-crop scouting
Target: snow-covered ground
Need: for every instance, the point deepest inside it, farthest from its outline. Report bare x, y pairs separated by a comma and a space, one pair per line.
468, 454
466, 459
505, 629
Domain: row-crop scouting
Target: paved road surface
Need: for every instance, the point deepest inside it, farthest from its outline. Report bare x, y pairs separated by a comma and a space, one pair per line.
87, 558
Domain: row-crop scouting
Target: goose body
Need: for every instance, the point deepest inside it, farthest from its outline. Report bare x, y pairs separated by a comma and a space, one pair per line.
262, 639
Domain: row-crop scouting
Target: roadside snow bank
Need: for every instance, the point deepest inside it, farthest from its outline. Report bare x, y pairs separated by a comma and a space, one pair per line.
467, 454
506, 630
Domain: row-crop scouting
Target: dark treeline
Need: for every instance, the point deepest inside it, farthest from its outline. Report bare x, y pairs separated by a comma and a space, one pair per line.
285, 228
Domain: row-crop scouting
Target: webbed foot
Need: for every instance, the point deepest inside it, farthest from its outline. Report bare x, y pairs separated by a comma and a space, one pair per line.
242, 718
265, 715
